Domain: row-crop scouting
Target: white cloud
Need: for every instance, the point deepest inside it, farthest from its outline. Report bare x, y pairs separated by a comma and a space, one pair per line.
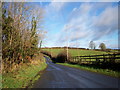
113, 46
54, 6
84, 26
76, 25
108, 17
106, 23
85, 8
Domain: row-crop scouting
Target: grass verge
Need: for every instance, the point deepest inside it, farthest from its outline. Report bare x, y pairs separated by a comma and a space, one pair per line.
100, 71
25, 75
0, 81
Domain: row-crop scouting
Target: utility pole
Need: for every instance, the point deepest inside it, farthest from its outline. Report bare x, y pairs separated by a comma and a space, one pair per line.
67, 43
67, 50
51, 51
77, 47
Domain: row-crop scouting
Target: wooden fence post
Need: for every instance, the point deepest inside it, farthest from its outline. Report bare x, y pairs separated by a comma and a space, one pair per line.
114, 56
90, 59
104, 59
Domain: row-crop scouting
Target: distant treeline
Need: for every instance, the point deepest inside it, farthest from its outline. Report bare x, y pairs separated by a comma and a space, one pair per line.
74, 48
62, 48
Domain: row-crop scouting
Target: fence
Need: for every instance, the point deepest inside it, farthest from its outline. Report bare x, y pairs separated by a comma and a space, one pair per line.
96, 59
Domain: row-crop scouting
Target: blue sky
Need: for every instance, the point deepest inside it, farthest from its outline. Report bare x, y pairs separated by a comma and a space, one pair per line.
77, 23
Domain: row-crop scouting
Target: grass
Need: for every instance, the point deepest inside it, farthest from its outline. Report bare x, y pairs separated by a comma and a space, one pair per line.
75, 52
0, 80
25, 75
100, 71
79, 52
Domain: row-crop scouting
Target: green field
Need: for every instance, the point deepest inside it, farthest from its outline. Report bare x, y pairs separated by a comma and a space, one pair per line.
76, 52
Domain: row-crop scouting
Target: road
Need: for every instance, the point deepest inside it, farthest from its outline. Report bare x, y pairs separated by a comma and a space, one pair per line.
58, 76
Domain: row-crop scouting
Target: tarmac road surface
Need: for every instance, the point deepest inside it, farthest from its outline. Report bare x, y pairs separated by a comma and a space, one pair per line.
58, 76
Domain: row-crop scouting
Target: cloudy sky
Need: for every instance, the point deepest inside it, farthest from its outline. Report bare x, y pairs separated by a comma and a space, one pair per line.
77, 23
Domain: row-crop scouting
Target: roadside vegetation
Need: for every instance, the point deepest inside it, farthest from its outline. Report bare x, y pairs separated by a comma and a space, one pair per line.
25, 75
21, 34
93, 69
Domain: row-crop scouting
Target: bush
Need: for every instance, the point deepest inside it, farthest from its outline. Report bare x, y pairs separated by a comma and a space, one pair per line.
62, 57
54, 59
46, 53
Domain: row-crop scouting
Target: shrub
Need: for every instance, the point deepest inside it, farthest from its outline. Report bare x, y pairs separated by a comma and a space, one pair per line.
102, 46
54, 59
47, 53
62, 57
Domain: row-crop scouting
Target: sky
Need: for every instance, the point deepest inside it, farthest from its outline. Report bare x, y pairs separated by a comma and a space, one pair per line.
75, 24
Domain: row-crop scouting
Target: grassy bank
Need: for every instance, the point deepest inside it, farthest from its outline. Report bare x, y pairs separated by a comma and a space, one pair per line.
25, 75
0, 80
100, 71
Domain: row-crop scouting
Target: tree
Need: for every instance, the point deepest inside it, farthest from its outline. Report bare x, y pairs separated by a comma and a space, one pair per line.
34, 38
20, 35
102, 46
92, 45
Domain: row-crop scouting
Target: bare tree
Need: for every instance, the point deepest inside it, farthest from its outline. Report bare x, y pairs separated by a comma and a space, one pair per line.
92, 45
